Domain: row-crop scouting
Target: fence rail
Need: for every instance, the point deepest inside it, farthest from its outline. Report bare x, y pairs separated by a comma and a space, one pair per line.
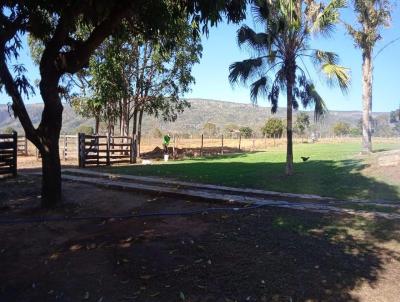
8, 154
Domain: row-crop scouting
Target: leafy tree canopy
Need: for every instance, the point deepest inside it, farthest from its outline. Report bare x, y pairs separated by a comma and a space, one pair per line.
246, 132
341, 128
273, 128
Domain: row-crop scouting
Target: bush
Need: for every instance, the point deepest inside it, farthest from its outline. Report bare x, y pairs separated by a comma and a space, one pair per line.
88, 130
246, 132
8, 130
341, 128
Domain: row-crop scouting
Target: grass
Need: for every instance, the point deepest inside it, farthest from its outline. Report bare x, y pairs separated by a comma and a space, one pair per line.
334, 170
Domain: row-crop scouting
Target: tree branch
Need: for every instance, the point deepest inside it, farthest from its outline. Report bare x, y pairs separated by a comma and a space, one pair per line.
18, 103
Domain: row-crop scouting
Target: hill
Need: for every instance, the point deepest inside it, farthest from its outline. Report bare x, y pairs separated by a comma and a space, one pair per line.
193, 119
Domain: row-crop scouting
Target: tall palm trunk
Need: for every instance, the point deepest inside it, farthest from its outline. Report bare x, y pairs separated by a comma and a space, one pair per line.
367, 100
289, 117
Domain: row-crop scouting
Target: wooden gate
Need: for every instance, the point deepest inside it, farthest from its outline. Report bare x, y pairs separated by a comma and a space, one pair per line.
8, 154
97, 150
22, 145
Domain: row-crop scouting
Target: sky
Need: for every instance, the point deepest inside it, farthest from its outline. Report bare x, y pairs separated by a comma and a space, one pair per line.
220, 49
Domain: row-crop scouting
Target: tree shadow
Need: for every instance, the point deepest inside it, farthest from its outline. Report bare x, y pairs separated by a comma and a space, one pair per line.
264, 255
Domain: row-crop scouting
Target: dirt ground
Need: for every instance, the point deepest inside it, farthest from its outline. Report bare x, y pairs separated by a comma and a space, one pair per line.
260, 255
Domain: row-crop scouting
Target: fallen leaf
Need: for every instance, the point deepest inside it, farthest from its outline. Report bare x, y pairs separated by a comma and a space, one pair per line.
54, 256
146, 277
75, 247
155, 294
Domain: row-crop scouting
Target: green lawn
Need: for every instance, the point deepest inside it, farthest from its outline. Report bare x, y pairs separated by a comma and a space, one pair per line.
333, 170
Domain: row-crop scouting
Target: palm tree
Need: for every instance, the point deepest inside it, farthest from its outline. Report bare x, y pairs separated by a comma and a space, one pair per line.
371, 15
280, 50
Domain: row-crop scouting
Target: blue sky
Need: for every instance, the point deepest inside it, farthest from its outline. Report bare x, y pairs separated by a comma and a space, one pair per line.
220, 50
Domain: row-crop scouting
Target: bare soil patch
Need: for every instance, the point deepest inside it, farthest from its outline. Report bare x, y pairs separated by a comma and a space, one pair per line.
264, 255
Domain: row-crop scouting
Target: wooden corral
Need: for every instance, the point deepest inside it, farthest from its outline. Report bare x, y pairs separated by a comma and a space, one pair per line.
8, 154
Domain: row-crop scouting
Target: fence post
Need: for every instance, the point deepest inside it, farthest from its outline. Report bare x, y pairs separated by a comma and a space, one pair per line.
65, 148
81, 146
15, 153
26, 146
222, 144
202, 144
240, 139
108, 150
97, 142
132, 158
77, 145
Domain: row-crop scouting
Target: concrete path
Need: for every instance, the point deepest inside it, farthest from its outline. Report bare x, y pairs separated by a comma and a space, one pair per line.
214, 193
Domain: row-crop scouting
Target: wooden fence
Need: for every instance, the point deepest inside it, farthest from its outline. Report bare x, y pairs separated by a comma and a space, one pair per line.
8, 154
96, 150
22, 145
69, 146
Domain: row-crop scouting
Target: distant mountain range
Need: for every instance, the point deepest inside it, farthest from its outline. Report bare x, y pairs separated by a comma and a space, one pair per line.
193, 119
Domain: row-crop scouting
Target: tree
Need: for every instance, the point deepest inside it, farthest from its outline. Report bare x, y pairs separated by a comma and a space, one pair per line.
395, 116
341, 129
355, 131
302, 123
57, 25
280, 50
246, 132
371, 16
210, 129
88, 108
273, 128
156, 133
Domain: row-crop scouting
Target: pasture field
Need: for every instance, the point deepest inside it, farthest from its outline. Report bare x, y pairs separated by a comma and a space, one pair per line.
335, 169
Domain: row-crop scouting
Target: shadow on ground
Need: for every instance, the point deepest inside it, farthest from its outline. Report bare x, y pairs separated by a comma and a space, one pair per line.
264, 255
341, 179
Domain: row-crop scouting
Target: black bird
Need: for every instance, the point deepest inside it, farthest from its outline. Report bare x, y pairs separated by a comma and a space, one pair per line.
305, 158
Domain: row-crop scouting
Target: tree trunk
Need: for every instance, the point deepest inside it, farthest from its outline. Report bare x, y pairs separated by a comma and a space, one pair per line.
139, 136
96, 125
367, 101
124, 119
134, 132
51, 178
49, 134
289, 127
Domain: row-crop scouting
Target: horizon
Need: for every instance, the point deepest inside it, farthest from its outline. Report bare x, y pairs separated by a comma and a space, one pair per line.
233, 102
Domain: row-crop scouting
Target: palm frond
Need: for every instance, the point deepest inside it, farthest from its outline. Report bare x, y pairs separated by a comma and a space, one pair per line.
325, 17
258, 41
241, 71
337, 75
261, 11
273, 96
259, 87
320, 57
320, 108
